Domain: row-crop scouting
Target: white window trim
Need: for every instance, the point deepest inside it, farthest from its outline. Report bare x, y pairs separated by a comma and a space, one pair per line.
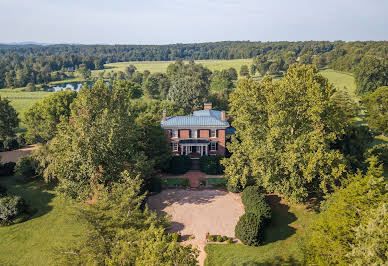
194, 133
213, 132
175, 146
174, 133
211, 146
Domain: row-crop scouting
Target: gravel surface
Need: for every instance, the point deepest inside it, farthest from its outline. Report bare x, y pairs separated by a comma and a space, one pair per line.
13, 156
196, 212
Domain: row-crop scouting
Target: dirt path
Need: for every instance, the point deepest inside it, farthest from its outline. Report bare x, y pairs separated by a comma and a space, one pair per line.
196, 212
13, 156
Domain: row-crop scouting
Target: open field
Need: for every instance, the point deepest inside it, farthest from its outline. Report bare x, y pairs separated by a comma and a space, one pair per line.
161, 66
341, 80
32, 242
283, 239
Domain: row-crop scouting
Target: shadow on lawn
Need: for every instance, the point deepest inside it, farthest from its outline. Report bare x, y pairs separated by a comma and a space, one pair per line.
279, 228
33, 193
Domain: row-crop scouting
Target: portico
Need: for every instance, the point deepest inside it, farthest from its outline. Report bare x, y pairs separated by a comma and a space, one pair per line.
194, 146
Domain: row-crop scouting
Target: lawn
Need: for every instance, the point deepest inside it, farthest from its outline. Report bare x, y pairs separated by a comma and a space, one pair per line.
161, 66
341, 80
32, 242
283, 239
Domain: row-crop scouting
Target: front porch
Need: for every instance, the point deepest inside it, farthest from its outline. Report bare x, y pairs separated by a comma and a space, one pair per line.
194, 148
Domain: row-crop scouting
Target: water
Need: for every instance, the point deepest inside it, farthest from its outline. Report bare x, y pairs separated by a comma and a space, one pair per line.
68, 86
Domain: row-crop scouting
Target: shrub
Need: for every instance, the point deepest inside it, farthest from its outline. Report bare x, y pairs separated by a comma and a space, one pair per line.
21, 140
219, 239
155, 184
10, 208
211, 165
380, 151
185, 182
1, 145
175, 237
254, 202
25, 167
229, 240
3, 191
211, 238
224, 238
10, 144
179, 164
7, 169
234, 187
249, 229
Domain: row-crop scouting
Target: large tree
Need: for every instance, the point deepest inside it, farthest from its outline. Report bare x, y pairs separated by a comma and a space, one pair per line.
283, 134
370, 74
119, 232
376, 104
343, 233
9, 120
43, 117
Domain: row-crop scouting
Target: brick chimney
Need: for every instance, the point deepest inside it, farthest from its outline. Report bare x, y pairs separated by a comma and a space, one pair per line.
223, 116
207, 106
164, 116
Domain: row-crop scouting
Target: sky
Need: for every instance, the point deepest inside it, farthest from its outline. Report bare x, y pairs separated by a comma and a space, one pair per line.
190, 21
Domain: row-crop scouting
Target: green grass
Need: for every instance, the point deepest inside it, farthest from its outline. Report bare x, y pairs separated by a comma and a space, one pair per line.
341, 80
161, 66
283, 240
216, 181
53, 225
172, 182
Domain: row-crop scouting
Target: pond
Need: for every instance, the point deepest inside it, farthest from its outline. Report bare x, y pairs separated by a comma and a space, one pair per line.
66, 86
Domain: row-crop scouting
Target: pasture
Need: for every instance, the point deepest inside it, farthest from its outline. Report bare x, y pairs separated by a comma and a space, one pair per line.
161, 66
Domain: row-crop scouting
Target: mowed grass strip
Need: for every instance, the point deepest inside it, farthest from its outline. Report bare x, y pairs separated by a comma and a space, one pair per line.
283, 239
53, 225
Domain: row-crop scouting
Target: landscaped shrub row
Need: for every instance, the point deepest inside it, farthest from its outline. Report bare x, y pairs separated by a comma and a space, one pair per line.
10, 144
218, 238
175, 182
179, 164
250, 227
211, 165
7, 169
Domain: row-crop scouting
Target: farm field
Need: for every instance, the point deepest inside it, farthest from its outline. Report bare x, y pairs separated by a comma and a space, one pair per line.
33, 241
283, 239
161, 66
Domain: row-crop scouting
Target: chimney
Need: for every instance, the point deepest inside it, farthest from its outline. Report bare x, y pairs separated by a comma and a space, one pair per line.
223, 118
164, 116
207, 106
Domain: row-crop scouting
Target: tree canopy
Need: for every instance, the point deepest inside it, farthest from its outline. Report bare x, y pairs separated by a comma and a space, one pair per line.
283, 134
9, 120
376, 104
370, 74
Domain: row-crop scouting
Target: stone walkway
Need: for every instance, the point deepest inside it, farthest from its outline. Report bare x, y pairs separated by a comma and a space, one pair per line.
195, 177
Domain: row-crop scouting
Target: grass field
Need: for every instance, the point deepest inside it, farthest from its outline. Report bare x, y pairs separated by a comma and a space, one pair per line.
283, 240
32, 242
341, 80
161, 66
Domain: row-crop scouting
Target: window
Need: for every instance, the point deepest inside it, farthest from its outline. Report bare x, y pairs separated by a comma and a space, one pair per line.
174, 146
194, 133
174, 133
213, 133
213, 146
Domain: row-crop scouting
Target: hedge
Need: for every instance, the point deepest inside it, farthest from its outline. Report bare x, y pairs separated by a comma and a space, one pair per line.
179, 164
211, 165
25, 167
10, 208
249, 229
255, 202
7, 169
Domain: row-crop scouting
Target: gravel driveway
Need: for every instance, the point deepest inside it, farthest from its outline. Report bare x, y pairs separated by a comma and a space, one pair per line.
196, 212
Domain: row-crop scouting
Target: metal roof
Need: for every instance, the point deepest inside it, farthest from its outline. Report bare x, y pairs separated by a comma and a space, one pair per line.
214, 113
194, 120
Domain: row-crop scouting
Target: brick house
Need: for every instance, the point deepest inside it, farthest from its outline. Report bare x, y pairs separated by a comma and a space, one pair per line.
202, 133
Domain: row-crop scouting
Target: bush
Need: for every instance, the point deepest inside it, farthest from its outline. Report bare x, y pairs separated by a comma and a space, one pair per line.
10, 144
155, 184
249, 229
21, 140
3, 191
10, 208
380, 151
211, 165
212, 238
25, 167
229, 240
254, 202
1, 145
219, 239
224, 238
175, 237
185, 182
7, 169
233, 186
179, 164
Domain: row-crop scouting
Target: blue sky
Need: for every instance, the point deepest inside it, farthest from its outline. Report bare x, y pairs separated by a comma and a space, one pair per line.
187, 21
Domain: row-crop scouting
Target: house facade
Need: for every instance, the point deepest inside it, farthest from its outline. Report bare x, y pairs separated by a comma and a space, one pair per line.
203, 133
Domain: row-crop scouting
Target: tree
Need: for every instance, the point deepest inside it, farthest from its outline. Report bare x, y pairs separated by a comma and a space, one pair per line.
244, 71
283, 134
189, 92
119, 232
31, 87
84, 71
98, 142
130, 70
371, 74
43, 117
156, 86
332, 239
221, 80
9, 120
376, 104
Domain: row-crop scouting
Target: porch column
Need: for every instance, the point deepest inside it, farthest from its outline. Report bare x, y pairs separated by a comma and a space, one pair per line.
201, 150
182, 147
206, 149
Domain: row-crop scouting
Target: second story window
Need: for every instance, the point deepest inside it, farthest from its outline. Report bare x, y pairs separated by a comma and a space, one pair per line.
213, 133
194, 133
174, 133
